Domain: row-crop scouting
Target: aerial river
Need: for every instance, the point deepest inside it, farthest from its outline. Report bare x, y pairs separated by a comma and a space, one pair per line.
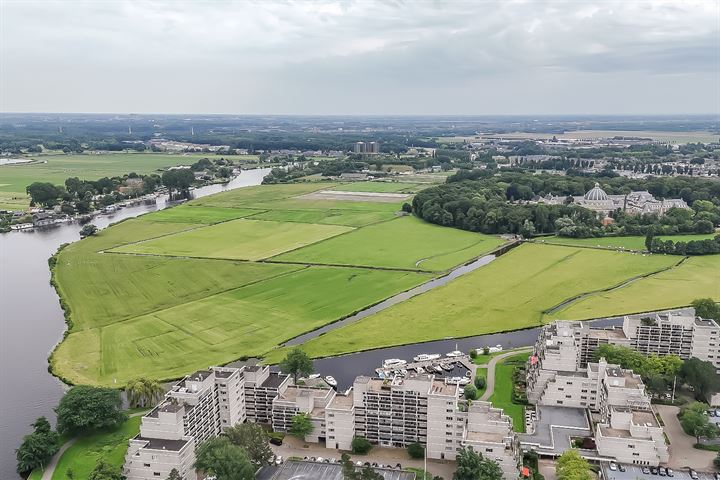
31, 321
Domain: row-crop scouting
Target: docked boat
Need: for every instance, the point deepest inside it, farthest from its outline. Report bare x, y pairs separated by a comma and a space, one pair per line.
437, 369
424, 357
393, 363
331, 381
429, 369
447, 366
454, 354
314, 376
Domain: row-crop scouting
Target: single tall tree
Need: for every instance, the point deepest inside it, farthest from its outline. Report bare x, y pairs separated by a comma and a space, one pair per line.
706, 308
105, 471
37, 449
174, 475
301, 426
85, 408
571, 466
472, 465
143, 392
297, 363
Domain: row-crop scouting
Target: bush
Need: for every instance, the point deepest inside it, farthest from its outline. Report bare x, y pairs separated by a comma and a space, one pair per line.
480, 382
416, 450
470, 392
360, 445
473, 354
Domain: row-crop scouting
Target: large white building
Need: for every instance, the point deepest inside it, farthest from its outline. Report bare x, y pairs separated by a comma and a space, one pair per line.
395, 413
641, 202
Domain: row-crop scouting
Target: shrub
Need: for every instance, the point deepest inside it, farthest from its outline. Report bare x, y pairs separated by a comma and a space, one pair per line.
470, 392
473, 353
480, 382
360, 445
416, 450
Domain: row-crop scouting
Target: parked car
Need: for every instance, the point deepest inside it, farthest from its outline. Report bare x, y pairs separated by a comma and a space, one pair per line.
693, 474
669, 472
654, 470
278, 460
621, 467
613, 466
662, 472
645, 470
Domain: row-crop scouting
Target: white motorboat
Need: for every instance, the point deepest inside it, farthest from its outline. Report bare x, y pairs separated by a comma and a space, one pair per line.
394, 362
424, 357
331, 381
454, 354
314, 376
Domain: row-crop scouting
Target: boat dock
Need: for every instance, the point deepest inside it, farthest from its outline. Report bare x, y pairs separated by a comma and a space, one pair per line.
438, 366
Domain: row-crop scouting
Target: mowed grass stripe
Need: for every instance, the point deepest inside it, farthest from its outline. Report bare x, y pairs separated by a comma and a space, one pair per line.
243, 239
349, 218
199, 214
405, 242
245, 321
629, 243
508, 294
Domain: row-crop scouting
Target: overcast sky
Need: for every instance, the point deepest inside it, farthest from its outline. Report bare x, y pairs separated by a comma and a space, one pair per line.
361, 57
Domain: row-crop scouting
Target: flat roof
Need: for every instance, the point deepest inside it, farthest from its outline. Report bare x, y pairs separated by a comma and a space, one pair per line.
274, 380
223, 373
295, 391
200, 375
341, 402
162, 444
609, 333
485, 437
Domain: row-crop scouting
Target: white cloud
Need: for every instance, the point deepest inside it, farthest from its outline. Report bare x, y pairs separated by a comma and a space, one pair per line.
361, 56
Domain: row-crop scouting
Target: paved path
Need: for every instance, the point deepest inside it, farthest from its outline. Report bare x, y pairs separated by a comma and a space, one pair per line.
491, 370
50, 468
682, 452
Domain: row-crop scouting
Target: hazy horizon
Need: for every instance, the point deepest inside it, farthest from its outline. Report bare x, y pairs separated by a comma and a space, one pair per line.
421, 58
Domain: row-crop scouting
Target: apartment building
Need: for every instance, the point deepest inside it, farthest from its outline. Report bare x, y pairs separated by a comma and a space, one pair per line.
394, 413
195, 409
367, 147
668, 333
294, 400
632, 436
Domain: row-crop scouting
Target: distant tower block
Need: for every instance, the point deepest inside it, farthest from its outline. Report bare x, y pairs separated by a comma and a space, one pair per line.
192, 131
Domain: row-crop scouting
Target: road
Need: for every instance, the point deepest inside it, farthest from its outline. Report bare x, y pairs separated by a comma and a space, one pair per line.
490, 381
682, 452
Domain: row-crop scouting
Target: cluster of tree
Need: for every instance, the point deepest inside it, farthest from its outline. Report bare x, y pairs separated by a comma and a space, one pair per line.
178, 179
694, 421
143, 392
37, 448
220, 167
490, 202
657, 372
693, 247
706, 308
82, 409
571, 466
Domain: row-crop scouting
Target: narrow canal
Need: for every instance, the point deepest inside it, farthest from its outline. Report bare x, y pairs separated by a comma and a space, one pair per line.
31, 321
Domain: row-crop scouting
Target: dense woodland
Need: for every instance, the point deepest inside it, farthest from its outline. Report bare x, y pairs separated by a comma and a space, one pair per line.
490, 202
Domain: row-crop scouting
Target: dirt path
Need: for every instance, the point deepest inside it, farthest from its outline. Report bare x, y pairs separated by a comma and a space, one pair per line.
491, 370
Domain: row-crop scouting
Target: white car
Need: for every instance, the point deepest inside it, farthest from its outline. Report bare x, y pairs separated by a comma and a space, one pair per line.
278, 460
613, 466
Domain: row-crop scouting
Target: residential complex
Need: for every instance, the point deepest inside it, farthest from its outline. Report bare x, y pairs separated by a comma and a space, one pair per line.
367, 147
391, 412
561, 373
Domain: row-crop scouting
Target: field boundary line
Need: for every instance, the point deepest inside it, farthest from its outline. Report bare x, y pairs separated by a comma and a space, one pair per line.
591, 247
565, 303
340, 265
230, 289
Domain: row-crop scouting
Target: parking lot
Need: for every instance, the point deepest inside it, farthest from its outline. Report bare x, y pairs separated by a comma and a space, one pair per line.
633, 472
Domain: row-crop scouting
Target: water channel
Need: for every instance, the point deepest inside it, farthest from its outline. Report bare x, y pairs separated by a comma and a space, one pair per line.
31, 321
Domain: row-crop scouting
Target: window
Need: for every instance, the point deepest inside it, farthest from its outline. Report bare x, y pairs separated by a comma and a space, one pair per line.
146, 465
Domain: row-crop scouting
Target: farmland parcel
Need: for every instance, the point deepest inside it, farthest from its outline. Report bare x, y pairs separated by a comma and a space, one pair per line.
237, 274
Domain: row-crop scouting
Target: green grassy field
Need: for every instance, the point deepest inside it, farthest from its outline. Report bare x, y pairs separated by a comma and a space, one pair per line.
630, 243
108, 445
509, 293
242, 239
57, 168
381, 187
502, 395
405, 242
219, 328
200, 214
697, 277
349, 218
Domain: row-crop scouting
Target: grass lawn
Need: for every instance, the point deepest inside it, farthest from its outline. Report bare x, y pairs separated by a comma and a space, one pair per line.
630, 243
381, 187
502, 395
482, 359
199, 214
113, 287
252, 196
509, 293
243, 239
108, 445
349, 218
57, 168
220, 328
406, 242
697, 277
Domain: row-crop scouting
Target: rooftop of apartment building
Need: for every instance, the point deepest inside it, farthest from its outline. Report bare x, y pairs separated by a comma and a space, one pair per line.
162, 444
435, 387
274, 380
294, 391
200, 375
165, 407
631, 380
602, 334
487, 437
221, 373
341, 402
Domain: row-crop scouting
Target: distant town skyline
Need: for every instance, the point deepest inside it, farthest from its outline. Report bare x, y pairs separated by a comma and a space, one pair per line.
361, 57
